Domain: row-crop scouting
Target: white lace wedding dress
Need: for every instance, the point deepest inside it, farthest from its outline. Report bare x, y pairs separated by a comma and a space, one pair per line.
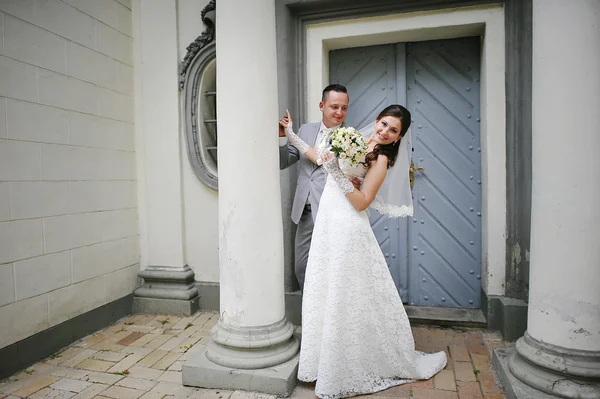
356, 337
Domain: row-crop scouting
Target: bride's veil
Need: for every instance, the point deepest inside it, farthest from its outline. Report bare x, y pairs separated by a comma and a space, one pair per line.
394, 197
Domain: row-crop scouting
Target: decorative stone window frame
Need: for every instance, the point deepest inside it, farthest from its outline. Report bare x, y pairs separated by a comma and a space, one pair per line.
197, 79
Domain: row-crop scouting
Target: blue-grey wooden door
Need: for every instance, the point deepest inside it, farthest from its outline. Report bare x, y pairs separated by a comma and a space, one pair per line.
445, 234
375, 78
435, 257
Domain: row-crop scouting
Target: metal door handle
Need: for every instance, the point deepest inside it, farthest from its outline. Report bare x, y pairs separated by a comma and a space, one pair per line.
411, 173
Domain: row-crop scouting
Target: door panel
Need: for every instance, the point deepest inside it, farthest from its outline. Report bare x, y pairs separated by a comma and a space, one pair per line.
370, 74
445, 234
435, 257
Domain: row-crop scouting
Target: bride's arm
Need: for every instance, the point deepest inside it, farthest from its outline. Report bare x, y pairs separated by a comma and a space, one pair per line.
306, 150
295, 140
360, 199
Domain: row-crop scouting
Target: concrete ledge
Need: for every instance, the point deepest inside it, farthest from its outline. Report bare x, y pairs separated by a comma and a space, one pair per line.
23, 354
451, 317
209, 294
293, 307
277, 380
513, 387
508, 315
165, 306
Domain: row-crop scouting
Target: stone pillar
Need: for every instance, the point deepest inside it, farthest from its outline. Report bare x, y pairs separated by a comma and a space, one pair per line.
560, 352
252, 336
168, 282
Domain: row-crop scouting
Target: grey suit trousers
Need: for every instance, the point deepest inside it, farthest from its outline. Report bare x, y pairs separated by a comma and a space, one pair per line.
311, 181
303, 238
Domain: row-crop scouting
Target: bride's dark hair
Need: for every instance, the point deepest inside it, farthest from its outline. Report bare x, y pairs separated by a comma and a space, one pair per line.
390, 150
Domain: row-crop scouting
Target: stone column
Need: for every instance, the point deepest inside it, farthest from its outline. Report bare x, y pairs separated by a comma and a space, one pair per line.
560, 352
252, 336
168, 282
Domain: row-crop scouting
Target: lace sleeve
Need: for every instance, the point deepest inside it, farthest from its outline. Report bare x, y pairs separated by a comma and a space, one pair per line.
333, 168
295, 140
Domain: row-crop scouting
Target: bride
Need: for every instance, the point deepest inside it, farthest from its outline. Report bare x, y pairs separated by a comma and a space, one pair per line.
356, 336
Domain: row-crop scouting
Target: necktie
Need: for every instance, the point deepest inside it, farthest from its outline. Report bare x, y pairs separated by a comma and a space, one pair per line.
322, 139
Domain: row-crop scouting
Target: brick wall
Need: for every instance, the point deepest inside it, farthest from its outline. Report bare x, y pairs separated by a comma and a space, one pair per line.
68, 217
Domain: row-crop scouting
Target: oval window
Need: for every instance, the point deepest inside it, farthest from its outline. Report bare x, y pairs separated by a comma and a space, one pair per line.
198, 79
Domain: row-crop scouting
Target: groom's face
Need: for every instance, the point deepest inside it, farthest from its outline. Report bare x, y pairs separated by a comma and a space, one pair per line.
334, 108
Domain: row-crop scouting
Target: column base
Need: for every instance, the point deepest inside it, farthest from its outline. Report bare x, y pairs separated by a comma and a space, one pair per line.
558, 371
278, 380
252, 347
167, 290
261, 359
513, 387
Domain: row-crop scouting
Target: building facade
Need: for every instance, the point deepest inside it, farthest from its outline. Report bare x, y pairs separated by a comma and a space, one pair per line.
138, 141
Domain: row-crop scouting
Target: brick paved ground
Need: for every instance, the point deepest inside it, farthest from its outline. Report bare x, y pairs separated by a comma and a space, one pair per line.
141, 357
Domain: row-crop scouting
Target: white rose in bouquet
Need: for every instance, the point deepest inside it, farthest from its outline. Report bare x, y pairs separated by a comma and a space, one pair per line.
347, 143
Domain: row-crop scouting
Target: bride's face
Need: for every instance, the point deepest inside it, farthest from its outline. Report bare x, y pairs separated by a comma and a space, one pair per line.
387, 130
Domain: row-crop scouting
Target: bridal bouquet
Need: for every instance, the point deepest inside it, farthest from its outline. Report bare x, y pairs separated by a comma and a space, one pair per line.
347, 143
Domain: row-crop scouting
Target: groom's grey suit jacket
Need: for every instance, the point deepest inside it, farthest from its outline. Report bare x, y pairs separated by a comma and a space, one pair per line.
311, 178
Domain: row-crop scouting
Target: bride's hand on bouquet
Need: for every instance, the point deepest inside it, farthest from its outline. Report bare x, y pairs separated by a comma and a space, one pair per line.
327, 156
324, 155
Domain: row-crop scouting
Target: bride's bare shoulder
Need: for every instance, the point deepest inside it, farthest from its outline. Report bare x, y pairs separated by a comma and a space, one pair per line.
381, 161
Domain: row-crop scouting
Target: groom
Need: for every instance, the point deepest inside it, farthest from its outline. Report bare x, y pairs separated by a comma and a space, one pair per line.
311, 178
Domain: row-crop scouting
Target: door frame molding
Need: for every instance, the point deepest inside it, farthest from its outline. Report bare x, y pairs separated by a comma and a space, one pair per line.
292, 18
486, 21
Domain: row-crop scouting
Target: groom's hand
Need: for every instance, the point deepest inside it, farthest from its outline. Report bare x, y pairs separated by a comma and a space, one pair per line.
283, 123
281, 129
282, 126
